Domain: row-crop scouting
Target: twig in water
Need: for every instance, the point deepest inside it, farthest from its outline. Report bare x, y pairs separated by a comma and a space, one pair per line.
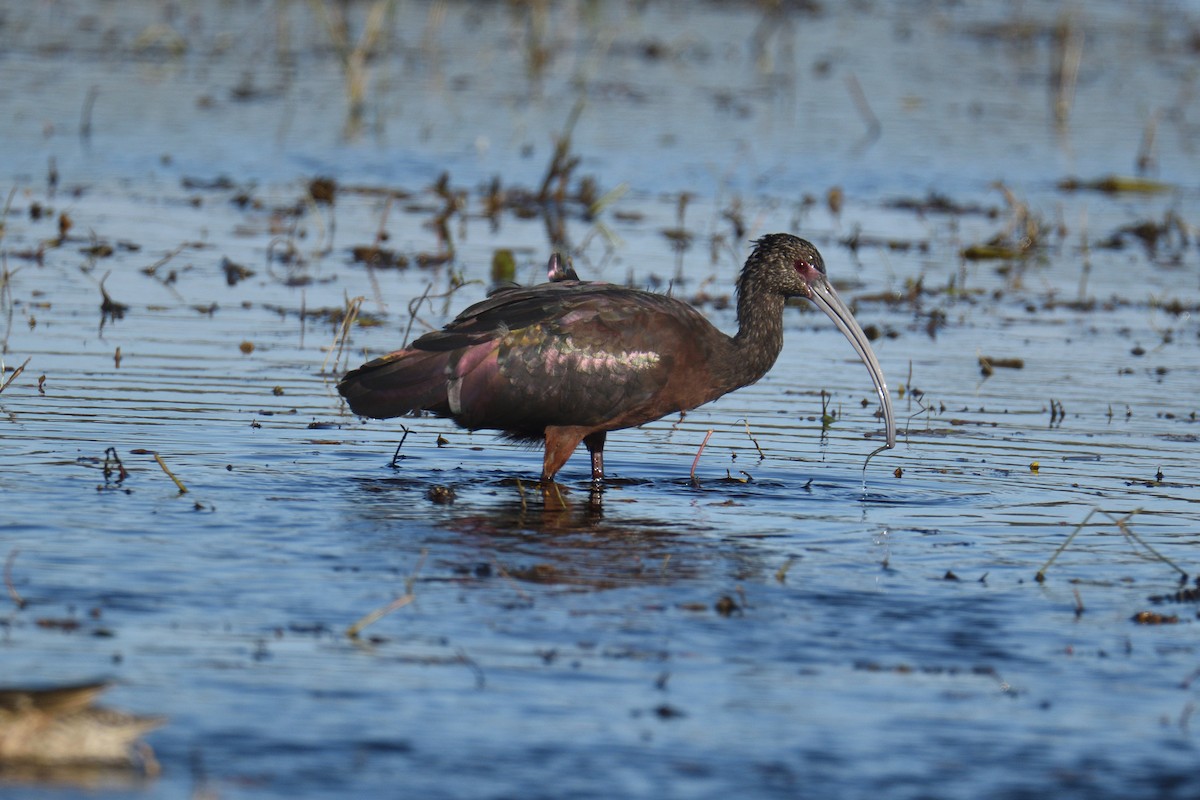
480, 678
7, 207
562, 501
85, 116
1145, 159
761, 455
380, 238
1069, 40
561, 164
379, 613
781, 573
1123, 527
112, 463
348, 318
1128, 532
412, 313
908, 386
356, 57
16, 372
1086, 252
1040, 577
503, 573
416, 304
1078, 604
8, 581
6, 298
696, 460
167, 283
399, 602
521, 494
171, 475
874, 126
396, 455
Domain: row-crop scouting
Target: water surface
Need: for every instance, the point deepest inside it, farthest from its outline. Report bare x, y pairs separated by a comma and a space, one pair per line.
792, 626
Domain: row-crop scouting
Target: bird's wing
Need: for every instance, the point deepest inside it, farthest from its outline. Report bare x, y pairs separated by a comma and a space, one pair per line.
561, 353
565, 354
514, 307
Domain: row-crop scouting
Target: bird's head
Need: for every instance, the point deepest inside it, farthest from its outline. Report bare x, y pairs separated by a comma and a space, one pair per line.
792, 267
786, 265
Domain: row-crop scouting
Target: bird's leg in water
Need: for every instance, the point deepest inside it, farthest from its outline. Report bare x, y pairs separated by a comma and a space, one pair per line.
561, 441
595, 446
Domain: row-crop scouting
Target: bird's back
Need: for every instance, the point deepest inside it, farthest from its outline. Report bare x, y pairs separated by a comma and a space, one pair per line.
562, 353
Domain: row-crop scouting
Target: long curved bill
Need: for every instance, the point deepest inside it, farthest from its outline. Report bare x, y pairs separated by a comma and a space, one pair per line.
826, 299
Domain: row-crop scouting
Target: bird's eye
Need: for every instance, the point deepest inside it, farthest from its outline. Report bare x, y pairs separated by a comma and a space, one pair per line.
805, 270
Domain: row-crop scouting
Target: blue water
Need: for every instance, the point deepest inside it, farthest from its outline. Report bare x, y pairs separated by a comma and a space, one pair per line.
793, 626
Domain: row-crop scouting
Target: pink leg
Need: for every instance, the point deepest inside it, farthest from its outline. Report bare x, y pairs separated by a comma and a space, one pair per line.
560, 443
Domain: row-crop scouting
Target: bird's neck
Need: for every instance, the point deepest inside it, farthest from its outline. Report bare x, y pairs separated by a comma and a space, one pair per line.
760, 335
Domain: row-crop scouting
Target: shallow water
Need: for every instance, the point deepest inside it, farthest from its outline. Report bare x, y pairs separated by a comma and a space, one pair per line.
795, 625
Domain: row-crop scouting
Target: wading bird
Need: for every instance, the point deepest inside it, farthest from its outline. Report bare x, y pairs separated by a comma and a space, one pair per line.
568, 361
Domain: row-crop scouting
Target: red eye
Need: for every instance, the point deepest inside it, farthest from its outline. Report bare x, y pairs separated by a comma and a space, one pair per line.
804, 269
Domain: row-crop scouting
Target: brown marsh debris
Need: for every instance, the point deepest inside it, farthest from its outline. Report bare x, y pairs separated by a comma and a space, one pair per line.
1022, 236
1115, 184
60, 727
322, 190
378, 257
109, 309
1184, 595
937, 203
1171, 234
988, 365
235, 273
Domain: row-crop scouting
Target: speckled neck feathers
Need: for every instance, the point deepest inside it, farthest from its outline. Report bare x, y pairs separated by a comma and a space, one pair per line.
759, 339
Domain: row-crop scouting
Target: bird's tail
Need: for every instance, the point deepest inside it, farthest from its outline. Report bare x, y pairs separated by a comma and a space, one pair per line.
397, 384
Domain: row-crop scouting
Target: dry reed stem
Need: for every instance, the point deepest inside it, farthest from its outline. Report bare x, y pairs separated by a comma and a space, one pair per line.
558, 495
380, 238
516, 587
874, 126
379, 613
415, 304
85, 115
171, 475
355, 58
1124, 528
521, 494
7, 207
1126, 531
1040, 577
761, 455
400, 602
1070, 54
16, 372
1145, 159
18, 601
480, 678
339, 341
561, 163
696, 460
396, 455
412, 313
